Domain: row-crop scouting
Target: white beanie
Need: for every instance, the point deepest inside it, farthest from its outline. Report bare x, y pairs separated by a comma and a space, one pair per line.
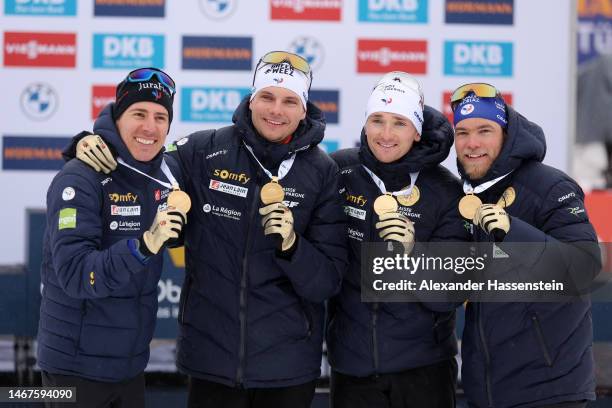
396, 95
282, 75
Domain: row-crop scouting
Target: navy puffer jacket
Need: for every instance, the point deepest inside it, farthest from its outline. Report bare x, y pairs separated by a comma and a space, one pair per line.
251, 317
377, 338
532, 354
99, 301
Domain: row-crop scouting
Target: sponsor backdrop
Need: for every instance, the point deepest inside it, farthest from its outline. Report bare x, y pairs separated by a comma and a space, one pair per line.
61, 58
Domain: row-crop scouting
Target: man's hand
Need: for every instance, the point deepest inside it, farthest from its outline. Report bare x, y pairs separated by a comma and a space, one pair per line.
92, 151
167, 224
278, 219
491, 217
394, 226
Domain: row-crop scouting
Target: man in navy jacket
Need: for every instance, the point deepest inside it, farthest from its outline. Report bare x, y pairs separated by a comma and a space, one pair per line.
265, 246
519, 354
102, 259
395, 354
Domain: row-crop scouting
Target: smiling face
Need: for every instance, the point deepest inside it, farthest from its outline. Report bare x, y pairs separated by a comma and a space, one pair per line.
143, 128
390, 136
478, 143
276, 113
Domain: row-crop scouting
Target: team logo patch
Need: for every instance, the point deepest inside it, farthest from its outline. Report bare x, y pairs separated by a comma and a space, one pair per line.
68, 194
67, 218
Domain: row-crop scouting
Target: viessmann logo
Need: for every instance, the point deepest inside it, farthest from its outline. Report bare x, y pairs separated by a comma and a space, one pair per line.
101, 95
313, 10
376, 56
30, 49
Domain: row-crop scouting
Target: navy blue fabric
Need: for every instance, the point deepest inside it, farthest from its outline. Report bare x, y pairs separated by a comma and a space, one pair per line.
99, 328
532, 354
249, 317
365, 339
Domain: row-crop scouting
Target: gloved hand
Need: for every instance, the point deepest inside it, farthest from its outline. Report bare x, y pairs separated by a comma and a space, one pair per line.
278, 219
92, 151
167, 224
394, 226
493, 219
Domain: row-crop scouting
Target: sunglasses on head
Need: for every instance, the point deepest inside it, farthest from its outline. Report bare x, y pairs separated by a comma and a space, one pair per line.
145, 74
277, 57
481, 90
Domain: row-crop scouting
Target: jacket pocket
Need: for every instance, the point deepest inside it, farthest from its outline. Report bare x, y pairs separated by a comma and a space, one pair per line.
541, 340
307, 317
184, 299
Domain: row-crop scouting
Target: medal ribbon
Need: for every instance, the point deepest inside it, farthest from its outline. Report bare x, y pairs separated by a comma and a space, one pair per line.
164, 168
468, 189
383, 189
283, 169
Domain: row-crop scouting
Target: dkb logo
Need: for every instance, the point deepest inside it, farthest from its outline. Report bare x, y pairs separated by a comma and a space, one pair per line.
210, 104
481, 58
128, 51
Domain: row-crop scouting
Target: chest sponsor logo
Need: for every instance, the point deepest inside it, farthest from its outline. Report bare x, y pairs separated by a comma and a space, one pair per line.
355, 212
123, 198
228, 175
161, 194
221, 211
125, 210
393, 11
478, 58
228, 188
354, 234
407, 211
125, 225
358, 200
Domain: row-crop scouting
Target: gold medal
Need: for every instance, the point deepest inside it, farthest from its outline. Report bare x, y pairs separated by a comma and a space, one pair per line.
410, 199
507, 198
468, 206
384, 204
272, 192
179, 200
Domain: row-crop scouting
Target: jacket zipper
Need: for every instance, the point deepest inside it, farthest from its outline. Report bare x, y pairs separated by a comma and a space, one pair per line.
243, 286
540, 334
486, 354
375, 338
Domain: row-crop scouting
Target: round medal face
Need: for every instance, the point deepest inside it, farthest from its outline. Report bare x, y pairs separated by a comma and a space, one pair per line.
271, 192
384, 204
179, 199
507, 197
468, 206
411, 199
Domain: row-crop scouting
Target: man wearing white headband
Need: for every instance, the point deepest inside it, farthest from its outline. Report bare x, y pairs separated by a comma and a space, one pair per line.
395, 354
265, 249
